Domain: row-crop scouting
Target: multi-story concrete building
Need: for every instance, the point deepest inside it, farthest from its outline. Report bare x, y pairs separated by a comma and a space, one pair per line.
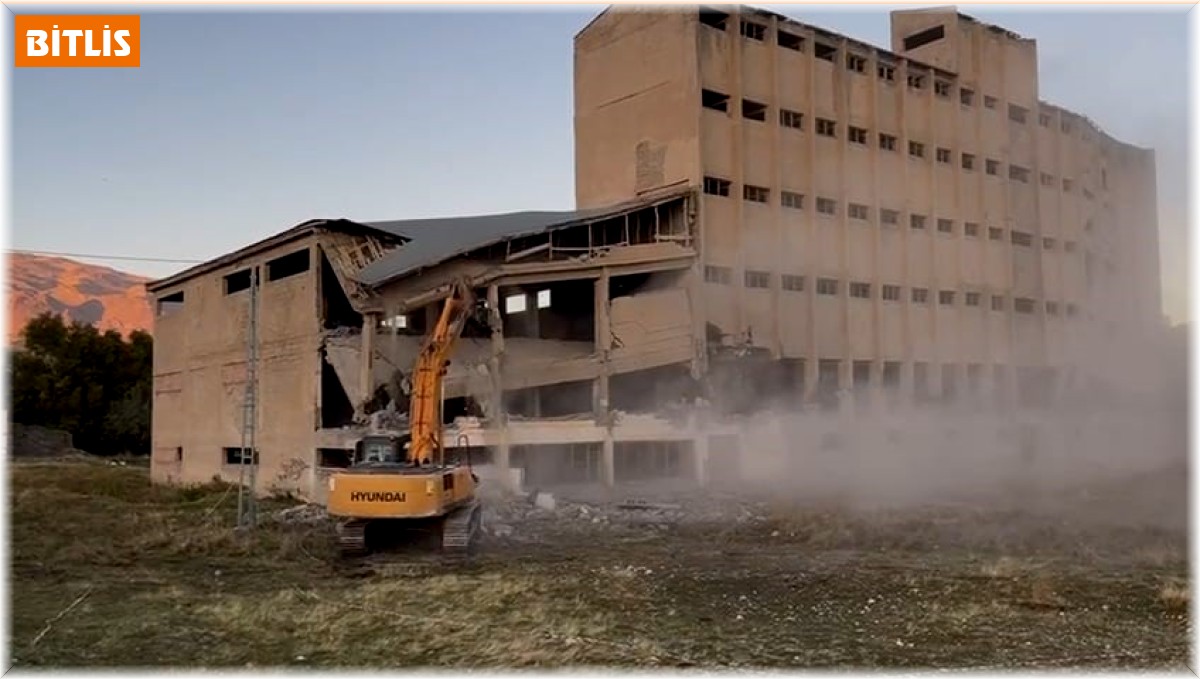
916, 217
768, 211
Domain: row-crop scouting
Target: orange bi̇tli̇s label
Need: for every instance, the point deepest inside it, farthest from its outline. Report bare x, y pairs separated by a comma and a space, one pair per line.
78, 40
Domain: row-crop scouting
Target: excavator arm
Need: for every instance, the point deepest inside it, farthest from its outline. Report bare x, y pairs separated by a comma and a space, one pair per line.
424, 409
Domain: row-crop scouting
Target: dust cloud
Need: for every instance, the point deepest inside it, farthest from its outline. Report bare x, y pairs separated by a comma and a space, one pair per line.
1109, 444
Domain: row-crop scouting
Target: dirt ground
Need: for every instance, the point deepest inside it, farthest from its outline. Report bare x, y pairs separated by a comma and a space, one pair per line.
108, 571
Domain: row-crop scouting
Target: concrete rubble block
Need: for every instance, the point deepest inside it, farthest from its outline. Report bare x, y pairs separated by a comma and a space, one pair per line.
544, 501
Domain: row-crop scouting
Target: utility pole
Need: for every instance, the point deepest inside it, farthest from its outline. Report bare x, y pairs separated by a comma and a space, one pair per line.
247, 503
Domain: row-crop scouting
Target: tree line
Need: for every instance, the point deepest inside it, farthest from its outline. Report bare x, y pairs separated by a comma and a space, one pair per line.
95, 385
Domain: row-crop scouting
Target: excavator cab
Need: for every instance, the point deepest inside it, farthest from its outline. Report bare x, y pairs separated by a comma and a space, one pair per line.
380, 450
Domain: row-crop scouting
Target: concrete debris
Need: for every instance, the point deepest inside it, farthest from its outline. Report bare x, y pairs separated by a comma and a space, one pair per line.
528, 519
302, 515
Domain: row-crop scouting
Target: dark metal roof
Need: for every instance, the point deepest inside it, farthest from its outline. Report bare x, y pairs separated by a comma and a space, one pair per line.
433, 241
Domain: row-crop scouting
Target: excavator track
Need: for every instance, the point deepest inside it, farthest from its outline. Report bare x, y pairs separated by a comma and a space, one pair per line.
352, 537
460, 533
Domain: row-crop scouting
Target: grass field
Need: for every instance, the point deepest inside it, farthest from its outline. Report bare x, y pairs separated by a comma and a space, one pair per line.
109, 571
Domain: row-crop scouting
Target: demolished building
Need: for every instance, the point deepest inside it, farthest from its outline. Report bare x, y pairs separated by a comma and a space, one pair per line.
592, 332
770, 213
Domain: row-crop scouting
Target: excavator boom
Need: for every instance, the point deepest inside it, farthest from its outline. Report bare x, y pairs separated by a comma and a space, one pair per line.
424, 412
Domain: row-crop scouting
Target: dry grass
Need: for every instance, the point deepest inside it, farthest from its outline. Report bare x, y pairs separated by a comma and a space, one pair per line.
1175, 596
157, 577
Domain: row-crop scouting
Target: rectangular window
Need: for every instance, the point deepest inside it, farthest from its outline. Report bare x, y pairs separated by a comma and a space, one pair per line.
997, 303
288, 265
856, 63
715, 186
946, 226
1072, 310
916, 149
237, 281
989, 102
826, 127
889, 216
1044, 119
718, 274
1017, 114
916, 221
1048, 243
824, 52
1069, 246
1065, 126
972, 298
171, 303
791, 199
756, 194
789, 41
920, 295
543, 299
792, 282
515, 304
857, 211
968, 161
1067, 185
753, 110
966, 97
857, 135
943, 155
916, 82
1021, 238
827, 206
713, 18
826, 286
886, 72
240, 456
1052, 308
1018, 173
995, 233
1047, 179
946, 297
792, 119
757, 279
1023, 305
887, 142
971, 229
714, 100
753, 31
860, 290
993, 166
891, 293
941, 88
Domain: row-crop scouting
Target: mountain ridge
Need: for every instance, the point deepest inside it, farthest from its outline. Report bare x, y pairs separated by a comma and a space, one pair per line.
102, 296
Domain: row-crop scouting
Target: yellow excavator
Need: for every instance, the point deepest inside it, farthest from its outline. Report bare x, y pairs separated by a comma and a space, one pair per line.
402, 483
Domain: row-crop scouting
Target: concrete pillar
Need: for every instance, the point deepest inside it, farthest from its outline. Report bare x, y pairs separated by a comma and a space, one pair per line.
700, 458
603, 343
495, 411
366, 361
608, 460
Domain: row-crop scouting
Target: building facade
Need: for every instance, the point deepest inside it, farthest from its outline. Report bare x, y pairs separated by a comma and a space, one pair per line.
769, 215
915, 218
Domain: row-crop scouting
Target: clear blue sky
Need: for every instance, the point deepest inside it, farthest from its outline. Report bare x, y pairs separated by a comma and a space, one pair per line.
241, 124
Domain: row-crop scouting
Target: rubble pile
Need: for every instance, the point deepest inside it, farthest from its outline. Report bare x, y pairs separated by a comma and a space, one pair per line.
528, 517
303, 515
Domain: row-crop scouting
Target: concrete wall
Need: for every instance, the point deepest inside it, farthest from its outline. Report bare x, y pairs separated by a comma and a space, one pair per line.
635, 105
200, 370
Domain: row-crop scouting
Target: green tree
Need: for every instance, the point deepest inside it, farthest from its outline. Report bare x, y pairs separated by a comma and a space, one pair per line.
95, 385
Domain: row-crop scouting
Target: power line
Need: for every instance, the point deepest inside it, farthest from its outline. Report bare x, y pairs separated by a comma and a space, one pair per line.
50, 253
